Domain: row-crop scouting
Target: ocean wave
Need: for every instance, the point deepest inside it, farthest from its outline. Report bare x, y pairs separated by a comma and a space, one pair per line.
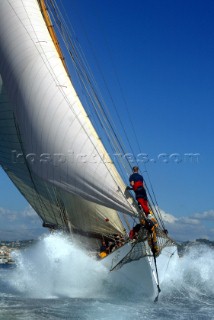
57, 267
190, 277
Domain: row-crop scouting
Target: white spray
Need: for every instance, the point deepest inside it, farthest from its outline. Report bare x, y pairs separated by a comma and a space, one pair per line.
191, 275
56, 267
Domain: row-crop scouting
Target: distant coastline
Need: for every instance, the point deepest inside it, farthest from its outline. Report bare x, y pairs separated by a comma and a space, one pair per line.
18, 244
181, 244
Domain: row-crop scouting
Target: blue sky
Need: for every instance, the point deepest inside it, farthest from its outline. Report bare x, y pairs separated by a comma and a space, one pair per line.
156, 59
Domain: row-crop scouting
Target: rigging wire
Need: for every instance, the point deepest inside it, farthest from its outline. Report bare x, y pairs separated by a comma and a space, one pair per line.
154, 202
86, 78
89, 83
76, 116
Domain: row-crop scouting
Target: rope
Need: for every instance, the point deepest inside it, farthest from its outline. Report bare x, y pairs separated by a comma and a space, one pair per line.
169, 261
81, 66
156, 269
121, 261
111, 130
130, 121
86, 78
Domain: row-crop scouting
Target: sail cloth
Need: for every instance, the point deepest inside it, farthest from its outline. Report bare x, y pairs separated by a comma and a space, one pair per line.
54, 206
57, 153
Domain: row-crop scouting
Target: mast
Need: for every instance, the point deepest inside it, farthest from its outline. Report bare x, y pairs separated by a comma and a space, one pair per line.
51, 30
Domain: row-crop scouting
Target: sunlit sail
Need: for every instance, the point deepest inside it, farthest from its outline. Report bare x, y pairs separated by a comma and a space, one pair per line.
49, 147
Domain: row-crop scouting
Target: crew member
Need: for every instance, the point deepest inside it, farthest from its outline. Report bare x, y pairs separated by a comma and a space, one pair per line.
104, 250
136, 182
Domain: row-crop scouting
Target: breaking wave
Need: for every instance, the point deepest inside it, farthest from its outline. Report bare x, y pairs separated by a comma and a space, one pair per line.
57, 267
190, 277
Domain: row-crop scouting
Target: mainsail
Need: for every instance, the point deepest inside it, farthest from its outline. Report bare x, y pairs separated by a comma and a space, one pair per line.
49, 147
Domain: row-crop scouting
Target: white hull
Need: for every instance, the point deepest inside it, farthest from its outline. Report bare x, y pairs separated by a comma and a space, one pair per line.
50, 149
138, 275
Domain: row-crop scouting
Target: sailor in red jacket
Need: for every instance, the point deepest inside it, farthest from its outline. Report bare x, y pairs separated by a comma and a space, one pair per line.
136, 182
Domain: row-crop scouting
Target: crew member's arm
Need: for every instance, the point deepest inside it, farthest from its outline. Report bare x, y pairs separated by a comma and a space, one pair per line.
132, 184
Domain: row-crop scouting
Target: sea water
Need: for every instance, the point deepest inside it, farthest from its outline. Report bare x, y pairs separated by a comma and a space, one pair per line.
55, 279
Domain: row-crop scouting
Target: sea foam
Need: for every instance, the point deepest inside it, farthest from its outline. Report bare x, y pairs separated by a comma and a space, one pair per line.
57, 267
190, 276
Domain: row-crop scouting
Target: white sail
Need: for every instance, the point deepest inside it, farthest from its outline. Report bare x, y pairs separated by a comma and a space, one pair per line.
55, 156
52, 153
